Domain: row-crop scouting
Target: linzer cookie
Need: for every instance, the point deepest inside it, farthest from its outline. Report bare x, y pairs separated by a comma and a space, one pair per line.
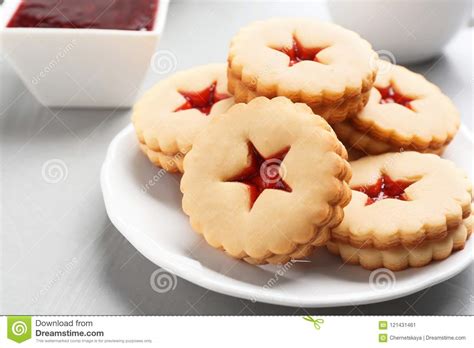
407, 209
329, 68
405, 111
266, 181
399, 258
174, 111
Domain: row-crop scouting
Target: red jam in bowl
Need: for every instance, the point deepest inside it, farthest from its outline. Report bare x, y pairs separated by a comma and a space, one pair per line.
86, 14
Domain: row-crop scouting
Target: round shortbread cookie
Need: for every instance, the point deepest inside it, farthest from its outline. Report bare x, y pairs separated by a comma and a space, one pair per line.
401, 257
404, 111
403, 199
170, 115
266, 181
329, 68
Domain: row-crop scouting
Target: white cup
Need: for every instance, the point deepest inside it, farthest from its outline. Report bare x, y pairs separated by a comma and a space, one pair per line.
409, 30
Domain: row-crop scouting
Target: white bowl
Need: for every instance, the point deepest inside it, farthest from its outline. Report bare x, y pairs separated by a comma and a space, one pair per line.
403, 31
80, 67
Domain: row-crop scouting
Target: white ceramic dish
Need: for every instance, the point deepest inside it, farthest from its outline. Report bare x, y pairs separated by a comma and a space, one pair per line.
144, 204
80, 67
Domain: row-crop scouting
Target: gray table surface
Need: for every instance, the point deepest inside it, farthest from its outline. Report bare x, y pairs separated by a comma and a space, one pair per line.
60, 253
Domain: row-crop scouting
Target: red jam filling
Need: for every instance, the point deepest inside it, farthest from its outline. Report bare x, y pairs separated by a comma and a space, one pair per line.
262, 173
298, 53
86, 14
202, 100
385, 188
389, 95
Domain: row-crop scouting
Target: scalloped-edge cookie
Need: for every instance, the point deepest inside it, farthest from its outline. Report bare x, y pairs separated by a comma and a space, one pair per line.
404, 111
362, 144
403, 199
170, 115
400, 258
266, 181
329, 68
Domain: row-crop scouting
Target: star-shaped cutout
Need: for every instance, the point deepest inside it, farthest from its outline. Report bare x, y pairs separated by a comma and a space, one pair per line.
298, 53
385, 188
202, 100
263, 173
390, 95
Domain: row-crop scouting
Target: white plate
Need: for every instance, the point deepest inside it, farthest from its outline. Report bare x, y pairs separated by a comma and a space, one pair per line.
145, 205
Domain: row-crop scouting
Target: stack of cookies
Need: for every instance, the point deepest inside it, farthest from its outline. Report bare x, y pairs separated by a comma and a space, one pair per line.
263, 144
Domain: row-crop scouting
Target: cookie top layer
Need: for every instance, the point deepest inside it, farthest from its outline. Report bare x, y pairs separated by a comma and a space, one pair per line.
279, 57
265, 178
409, 108
169, 116
403, 199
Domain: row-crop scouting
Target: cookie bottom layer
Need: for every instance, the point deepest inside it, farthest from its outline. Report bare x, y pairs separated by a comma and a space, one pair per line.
170, 163
301, 252
400, 258
364, 142
332, 111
